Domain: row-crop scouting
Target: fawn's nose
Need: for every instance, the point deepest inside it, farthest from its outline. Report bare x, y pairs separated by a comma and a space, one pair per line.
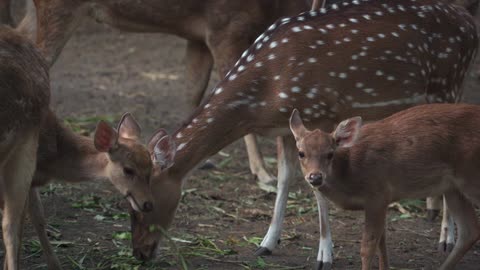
147, 207
315, 179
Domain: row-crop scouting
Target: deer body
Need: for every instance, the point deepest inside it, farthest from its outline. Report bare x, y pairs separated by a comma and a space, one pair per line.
424, 151
388, 53
24, 87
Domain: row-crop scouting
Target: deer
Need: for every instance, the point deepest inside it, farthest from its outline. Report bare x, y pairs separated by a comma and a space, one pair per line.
114, 155
5, 12
412, 52
426, 150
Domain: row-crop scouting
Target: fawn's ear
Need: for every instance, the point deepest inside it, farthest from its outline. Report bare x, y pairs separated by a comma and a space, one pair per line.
164, 152
105, 137
160, 133
347, 132
296, 125
128, 127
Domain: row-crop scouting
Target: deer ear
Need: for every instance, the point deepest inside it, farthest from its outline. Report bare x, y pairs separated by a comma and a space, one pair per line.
128, 127
160, 133
296, 125
105, 137
347, 132
164, 152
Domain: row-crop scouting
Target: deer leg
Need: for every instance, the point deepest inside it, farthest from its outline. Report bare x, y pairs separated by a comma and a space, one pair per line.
37, 216
6, 12
28, 25
18, 173
382, 252
56, 22
375, 217
434, 204
325, 246
287, 160
199, 64
467, 224
257, 165
447, 232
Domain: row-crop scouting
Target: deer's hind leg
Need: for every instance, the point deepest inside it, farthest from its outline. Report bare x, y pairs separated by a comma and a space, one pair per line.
17, 178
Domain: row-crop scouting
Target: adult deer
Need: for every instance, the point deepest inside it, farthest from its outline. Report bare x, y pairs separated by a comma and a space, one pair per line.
424, 151
217, 32
369, 58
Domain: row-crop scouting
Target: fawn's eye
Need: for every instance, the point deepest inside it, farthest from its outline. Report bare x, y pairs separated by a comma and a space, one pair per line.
128, 171
301, 154
330, 155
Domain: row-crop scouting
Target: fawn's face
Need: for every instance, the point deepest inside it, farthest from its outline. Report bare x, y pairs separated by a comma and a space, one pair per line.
148, 228
129, 165
316, 149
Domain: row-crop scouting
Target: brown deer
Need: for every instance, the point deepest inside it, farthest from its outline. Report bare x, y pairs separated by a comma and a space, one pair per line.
369, 58
427, 150
112, 155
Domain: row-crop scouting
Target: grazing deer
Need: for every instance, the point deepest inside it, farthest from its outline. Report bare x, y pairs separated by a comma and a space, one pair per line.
427, 150
369, 58
217, 32
113, 155
25, 97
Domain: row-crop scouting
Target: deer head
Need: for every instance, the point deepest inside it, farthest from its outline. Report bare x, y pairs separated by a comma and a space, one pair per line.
145, 236
129, 165
317, 149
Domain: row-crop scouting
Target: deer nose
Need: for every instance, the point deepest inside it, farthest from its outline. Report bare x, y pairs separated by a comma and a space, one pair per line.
147, 207
315, 179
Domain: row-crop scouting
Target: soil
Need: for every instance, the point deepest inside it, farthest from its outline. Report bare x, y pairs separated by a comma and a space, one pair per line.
104, 72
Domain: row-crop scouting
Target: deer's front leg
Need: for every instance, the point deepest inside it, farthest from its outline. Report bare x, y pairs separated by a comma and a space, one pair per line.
286, 170
375, 215
325, 246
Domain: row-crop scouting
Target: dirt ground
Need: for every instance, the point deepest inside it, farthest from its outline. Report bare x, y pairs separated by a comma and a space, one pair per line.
223, 214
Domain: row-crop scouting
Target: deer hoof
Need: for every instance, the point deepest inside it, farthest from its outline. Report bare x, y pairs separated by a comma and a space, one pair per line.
263, 251
432, 214
208, 165
319, 265
444, 247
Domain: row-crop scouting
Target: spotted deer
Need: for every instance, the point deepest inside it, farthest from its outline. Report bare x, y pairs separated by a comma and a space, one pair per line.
216, 31
369, 58
428, 150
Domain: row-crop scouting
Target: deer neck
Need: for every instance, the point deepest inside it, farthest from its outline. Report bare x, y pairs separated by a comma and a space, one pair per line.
206, 133
67, 156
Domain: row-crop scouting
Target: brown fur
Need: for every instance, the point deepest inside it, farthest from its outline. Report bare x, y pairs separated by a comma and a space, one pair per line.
423, 151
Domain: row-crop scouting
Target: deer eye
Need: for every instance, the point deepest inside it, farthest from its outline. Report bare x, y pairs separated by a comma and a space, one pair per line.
301, 154
128, 171
330, 155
